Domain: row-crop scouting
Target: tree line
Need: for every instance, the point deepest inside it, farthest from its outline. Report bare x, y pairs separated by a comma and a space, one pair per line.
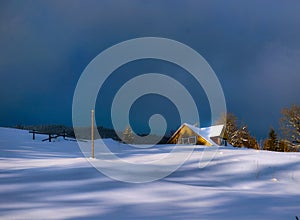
238, 135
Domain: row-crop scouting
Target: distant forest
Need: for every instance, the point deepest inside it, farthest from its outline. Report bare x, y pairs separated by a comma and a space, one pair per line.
85, 133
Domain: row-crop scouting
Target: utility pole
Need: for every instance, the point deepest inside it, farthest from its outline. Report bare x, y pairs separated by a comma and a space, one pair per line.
92, 134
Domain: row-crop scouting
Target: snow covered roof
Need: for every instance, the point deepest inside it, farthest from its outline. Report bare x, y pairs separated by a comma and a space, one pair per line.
206, 132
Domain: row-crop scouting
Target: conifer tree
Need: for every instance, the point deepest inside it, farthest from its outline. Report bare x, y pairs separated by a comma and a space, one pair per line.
272, 142
128, 136
235, 135
231, 130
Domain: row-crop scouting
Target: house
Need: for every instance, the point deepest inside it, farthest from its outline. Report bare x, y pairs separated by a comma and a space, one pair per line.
190, 134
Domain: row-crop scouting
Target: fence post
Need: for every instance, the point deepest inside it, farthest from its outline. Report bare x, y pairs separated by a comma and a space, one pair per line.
92, 134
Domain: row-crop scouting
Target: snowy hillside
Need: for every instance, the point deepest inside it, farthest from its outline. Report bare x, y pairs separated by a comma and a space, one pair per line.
42, 180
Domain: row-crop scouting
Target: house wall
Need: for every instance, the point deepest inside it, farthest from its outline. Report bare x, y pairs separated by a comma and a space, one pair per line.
217, 140
186, 132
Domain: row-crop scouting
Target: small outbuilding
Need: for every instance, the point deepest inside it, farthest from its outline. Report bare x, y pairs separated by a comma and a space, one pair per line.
190, 134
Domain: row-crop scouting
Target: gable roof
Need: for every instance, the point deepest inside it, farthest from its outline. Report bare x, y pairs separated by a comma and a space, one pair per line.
206, 132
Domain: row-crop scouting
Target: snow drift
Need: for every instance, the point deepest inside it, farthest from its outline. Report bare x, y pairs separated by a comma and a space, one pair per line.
42, 180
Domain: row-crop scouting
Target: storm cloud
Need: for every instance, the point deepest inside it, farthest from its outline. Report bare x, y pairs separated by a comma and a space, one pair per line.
253, 47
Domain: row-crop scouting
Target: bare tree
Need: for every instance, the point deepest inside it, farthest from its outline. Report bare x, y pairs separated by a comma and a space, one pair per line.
290, 124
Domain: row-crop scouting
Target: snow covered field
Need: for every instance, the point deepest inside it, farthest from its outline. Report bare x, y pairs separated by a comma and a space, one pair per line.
42, 180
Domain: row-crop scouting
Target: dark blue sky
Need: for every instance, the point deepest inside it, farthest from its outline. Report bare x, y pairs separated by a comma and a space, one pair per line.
253, 47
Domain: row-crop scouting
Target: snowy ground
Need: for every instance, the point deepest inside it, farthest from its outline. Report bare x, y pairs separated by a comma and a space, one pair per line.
42, 180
